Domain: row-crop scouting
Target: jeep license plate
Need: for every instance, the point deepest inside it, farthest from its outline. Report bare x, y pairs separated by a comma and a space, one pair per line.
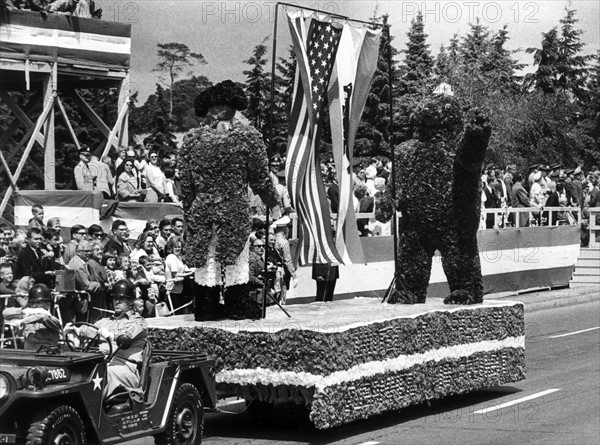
56, 375
8, 438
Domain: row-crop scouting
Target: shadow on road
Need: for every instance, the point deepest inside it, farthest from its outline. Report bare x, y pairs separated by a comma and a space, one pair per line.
289, 422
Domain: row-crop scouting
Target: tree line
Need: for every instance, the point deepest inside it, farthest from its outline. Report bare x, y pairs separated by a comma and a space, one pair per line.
550, 114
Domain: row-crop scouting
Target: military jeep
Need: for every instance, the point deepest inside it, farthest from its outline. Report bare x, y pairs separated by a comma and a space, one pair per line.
54, 396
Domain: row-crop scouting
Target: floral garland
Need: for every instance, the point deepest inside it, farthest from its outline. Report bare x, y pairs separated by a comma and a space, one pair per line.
216, 168
298, 350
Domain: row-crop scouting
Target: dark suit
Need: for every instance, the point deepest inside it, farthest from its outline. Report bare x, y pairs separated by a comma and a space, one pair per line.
491, 202
333, 194
552, 201
326, 276
30, 263
256, 266
521, 199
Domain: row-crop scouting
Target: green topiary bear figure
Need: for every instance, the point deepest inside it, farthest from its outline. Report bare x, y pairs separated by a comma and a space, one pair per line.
438, 189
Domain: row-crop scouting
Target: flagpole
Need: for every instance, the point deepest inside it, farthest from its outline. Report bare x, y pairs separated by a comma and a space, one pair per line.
392, 157
264, 296
267, 210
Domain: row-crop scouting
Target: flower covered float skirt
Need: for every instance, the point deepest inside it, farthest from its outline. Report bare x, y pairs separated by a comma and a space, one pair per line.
353, 359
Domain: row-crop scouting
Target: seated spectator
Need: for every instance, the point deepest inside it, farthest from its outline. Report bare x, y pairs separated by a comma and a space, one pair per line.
78, 233
38, 218
53, 223
128, 184
7, 286
96, 234
83, 281
52, 245
124, 267
94, 265
18, 242
176, 272
40, 327
177, 226
145, 246
118, 242
111, 267
32, 262
164, 229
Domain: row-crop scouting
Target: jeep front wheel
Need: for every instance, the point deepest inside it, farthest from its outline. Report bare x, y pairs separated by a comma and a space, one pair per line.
186, 418
58, 426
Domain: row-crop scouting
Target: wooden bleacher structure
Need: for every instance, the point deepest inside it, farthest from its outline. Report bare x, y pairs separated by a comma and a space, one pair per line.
56, 56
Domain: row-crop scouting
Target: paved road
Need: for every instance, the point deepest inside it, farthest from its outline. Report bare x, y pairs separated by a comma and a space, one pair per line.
569, 365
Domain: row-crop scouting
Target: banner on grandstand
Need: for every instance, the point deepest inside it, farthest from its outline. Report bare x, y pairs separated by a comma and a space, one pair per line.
71, 206
349, 87
315, 40
511, 260
64, 39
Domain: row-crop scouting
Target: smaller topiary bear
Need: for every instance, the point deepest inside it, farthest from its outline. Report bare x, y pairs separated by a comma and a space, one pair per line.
438, 189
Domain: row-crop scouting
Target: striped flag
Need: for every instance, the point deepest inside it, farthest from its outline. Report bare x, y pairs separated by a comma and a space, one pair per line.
315, 44
349, 87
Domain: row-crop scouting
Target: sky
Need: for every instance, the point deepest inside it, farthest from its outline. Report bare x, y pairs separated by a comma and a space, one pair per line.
226, 32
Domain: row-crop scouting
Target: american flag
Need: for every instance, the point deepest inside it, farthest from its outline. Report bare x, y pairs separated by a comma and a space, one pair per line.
315, 44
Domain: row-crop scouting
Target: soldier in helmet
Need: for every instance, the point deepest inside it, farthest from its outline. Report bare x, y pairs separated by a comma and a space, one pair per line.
127, 331
40, 327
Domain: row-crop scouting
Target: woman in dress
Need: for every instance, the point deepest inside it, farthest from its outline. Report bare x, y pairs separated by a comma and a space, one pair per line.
128, 185
176, 272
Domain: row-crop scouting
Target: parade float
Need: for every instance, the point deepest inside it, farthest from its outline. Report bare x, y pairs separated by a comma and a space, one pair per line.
355, 358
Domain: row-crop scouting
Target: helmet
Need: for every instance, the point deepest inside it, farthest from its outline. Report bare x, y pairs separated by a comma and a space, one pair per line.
40, 293
123, 288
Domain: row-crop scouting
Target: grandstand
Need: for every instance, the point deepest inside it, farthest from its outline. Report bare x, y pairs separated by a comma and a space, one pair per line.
48, 54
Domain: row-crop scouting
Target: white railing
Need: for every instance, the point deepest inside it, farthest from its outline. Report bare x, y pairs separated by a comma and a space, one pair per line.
572, 216
594, 226
501, 218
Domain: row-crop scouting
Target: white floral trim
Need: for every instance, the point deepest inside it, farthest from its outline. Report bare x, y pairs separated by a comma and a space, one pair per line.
305, 379
210, 274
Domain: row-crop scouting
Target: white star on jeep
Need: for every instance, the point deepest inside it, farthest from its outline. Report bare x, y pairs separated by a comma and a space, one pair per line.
97, 381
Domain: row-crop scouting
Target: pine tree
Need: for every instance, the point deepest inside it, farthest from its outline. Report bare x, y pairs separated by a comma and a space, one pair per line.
418, 63
561, 67
258, 88
572, 66
161, 138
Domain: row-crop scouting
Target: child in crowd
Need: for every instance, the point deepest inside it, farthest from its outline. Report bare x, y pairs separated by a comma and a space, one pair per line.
6, 279
38, 218
109, 261
123, 271
138, 306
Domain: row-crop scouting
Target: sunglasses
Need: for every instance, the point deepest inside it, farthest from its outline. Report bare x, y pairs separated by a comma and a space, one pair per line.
99, 234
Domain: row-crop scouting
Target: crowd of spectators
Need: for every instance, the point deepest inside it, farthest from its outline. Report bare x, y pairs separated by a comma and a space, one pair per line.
153, 263
76, 8
137, 175
542, 187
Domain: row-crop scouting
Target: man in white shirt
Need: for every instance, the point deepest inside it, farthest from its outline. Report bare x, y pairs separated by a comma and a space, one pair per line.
155, 180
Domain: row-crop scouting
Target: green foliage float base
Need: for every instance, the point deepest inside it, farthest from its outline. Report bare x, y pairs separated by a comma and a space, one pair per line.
353, 359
